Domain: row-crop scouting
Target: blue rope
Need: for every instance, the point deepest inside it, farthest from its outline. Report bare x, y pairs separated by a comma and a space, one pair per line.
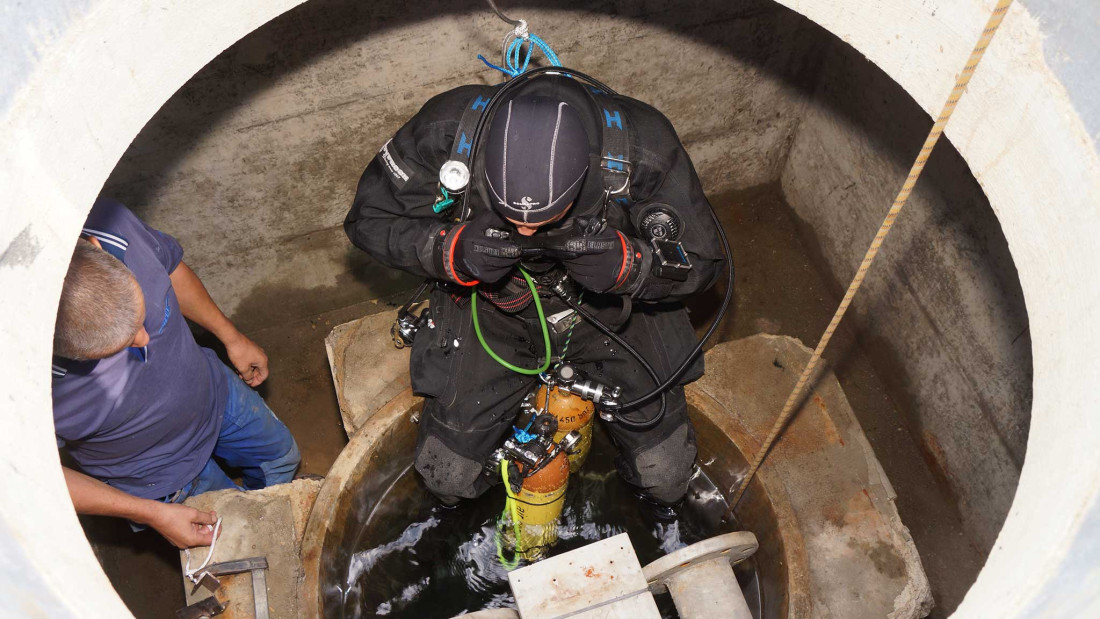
493, 66
512, 57
524, 435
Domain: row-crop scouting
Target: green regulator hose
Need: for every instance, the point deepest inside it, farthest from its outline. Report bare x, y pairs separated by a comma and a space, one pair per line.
542, 323
511, 508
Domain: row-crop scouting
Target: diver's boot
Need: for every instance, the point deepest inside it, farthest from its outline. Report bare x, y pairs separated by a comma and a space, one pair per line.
660, 511
447, 502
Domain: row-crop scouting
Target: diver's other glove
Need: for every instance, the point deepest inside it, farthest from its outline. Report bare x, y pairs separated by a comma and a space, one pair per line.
464, 254
617, 268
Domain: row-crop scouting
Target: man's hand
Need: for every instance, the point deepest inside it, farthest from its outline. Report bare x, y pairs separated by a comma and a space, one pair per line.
482, 257
184, 527
608, 270
248, 359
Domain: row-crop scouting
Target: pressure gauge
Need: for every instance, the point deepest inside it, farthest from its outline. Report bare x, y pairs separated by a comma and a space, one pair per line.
662, 224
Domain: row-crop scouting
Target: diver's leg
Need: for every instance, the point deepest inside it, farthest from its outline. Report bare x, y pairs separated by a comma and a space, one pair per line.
658, 461
470, 399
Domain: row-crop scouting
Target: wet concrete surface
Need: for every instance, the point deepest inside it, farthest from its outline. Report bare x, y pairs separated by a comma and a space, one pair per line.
781, 288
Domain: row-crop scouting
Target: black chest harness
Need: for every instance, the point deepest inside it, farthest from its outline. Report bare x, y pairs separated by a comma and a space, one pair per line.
615, 152
616, 172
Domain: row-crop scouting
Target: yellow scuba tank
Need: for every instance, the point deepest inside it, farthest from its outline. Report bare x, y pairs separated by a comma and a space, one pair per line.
572, 413
539, 505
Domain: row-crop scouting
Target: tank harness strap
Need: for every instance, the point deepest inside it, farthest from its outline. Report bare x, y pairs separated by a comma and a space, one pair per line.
615, 166
463, 143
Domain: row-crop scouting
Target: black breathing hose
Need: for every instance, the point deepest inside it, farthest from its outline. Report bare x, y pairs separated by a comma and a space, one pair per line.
660, 389
603, 328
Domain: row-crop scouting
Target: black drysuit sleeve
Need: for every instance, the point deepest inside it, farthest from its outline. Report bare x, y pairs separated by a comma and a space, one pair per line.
392, 218
665, 177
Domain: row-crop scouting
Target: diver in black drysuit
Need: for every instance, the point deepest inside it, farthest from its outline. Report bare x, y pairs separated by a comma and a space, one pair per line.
471, 401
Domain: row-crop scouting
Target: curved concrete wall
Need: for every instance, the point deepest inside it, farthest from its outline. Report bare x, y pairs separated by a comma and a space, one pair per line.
90, 74
270, 137
95, 72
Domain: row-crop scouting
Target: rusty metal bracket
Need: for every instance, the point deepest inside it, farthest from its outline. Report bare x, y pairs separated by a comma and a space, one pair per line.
210, 607
257, 566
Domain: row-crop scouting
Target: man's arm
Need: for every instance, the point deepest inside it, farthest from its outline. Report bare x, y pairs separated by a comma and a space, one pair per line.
249, 359
392, 218
676, 188
183, 526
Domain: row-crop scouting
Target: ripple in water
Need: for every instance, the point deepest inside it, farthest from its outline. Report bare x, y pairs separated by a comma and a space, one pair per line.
415, 558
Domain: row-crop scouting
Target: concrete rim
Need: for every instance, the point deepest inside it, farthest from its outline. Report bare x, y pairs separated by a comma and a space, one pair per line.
799, 600
345, 470
349, 467
70, 122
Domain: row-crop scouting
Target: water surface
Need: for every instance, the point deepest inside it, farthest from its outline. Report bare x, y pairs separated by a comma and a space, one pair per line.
414, 558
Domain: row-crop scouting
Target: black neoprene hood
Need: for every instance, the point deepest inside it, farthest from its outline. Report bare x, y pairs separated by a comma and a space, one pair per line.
536, 157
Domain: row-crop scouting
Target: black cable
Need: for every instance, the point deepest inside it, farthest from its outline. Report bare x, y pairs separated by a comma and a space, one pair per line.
710, 331
415, 296
519, 500
595, 322
502, 16
662, 387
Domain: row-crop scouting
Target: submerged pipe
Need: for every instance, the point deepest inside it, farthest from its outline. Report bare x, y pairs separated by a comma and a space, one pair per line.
700, 577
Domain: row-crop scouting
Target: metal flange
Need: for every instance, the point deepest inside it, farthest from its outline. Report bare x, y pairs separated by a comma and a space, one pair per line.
736, 546
700, 577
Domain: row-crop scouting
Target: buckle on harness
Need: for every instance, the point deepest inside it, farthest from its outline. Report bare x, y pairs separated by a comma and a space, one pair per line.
614, 165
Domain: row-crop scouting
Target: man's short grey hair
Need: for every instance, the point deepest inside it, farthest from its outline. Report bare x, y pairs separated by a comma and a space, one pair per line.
100, 310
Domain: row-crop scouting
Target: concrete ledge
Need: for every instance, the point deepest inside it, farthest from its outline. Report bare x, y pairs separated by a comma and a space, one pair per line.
367, 369
260, 523
862, 560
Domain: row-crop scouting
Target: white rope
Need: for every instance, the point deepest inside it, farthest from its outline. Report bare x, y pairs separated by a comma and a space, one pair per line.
521, 30
190, 573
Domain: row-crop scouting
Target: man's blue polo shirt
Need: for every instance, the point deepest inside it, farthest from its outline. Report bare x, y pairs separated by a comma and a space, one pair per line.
142, 420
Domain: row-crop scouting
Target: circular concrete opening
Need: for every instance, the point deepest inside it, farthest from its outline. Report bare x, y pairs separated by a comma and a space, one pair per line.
372, 479
71, 121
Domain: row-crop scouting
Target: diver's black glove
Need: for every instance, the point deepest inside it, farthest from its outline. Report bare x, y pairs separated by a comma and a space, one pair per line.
477, 255
617, 268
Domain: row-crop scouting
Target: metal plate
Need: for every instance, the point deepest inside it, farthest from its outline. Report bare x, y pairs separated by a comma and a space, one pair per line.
604, 575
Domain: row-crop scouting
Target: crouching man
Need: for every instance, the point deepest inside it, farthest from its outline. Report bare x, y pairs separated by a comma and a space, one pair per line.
561, 163
148, 416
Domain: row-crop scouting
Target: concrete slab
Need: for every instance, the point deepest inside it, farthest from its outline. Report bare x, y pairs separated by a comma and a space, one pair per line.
862, 560
260, 523
602, 579
367, 369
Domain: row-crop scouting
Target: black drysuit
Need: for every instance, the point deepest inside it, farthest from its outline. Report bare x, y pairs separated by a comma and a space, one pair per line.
471, 400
